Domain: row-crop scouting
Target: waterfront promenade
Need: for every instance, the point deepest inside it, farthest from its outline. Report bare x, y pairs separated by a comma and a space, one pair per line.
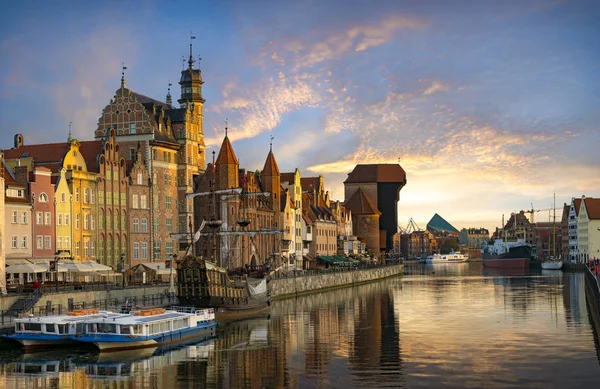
56, 300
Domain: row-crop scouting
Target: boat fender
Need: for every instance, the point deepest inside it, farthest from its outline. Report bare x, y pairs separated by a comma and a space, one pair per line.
22, 327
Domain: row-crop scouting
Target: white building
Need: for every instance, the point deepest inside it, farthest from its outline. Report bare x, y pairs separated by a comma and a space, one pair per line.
589, 240
2, 224
572, 228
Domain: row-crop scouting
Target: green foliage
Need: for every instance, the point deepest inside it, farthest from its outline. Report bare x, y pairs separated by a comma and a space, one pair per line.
449, 246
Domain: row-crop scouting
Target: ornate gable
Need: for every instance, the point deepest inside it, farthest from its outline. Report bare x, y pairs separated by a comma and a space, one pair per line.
126, 115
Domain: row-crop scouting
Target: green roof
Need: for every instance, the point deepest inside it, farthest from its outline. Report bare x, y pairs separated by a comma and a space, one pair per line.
439, 224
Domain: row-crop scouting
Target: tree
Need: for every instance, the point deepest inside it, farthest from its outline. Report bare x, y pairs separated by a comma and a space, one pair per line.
449, 246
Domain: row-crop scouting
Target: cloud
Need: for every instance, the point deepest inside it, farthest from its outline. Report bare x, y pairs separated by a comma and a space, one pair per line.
313, 50
259, 107
79, 98
436, 87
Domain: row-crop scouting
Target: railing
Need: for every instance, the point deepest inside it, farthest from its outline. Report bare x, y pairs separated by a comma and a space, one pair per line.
592, 280
105, 304
6, 319
331, 270
81, 286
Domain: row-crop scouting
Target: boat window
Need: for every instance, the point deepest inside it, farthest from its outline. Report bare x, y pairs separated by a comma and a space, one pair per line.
80, 328
107, 328
62, 329
164, 326
33, 327
125, 330
178, 324
155, 328
138, 329
50, 328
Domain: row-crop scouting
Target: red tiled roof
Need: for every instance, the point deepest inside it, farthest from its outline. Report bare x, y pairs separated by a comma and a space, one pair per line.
360, 204
226, 154
287, 177
376, 173
577, 205
270, 168
49, 152
307, 182
90, 150
10, 181
593, 208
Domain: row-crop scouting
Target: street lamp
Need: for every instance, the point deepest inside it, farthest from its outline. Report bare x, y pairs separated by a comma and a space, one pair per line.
54, 268
122, 265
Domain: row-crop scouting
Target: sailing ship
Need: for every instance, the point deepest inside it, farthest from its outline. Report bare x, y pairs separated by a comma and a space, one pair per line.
205, 283
553, 263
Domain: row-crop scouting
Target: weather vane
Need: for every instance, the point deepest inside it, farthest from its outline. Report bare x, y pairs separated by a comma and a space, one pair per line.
225, 127
271, 142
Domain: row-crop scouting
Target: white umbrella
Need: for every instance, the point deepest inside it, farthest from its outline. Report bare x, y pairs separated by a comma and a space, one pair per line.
98, 267
46, 265
75, 267
25, 268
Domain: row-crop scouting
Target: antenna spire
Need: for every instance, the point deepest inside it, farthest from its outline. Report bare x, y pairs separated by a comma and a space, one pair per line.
123, 85
271, 144
169, 101
191, 60
225, 127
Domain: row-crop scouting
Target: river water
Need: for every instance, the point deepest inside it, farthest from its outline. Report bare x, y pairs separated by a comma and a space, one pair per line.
452, 326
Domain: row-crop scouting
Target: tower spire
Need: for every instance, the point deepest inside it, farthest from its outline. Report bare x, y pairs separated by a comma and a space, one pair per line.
70, 138
169, 101
123, 84
191, 60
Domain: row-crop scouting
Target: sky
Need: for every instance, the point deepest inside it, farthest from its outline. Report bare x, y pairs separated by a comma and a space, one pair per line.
490, 107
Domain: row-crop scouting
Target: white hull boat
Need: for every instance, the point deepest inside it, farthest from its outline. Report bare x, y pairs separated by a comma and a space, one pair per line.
552, 265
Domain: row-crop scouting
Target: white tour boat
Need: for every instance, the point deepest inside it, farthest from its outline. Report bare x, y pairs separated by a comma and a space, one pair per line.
39, 332
446, 258
147, 328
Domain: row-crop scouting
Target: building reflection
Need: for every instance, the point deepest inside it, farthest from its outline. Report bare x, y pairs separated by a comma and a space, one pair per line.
351, 338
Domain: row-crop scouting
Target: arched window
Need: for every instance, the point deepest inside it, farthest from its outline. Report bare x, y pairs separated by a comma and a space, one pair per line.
43, 197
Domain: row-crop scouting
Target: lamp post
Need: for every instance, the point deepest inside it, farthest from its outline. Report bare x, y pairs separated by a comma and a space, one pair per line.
122, 264
171, 283
54, 267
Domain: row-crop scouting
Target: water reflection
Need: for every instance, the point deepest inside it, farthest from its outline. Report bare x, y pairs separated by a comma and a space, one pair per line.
454, 325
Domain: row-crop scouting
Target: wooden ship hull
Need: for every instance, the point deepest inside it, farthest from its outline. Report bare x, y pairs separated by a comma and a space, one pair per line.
202, 284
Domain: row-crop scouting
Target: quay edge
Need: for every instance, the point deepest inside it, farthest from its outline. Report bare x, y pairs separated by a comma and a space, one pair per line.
283, 288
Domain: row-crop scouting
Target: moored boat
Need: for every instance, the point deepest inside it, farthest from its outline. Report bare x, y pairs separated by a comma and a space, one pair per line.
507, 254
40, 332
147, 328
552, 265
446, 258
203, 284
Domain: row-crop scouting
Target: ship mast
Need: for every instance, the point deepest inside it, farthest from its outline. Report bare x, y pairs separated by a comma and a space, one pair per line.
554, 229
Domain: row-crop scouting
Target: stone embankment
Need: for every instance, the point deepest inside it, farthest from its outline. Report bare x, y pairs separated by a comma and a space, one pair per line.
157, 295
294, 286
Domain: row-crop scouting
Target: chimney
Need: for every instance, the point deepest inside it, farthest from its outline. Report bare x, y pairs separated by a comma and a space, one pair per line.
21, 174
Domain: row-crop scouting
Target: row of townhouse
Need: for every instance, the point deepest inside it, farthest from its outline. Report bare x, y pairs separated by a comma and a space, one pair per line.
79, 198
281, 219
583, 229
120, 197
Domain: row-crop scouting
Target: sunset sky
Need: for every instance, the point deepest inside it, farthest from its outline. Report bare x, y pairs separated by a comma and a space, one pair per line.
489, 105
